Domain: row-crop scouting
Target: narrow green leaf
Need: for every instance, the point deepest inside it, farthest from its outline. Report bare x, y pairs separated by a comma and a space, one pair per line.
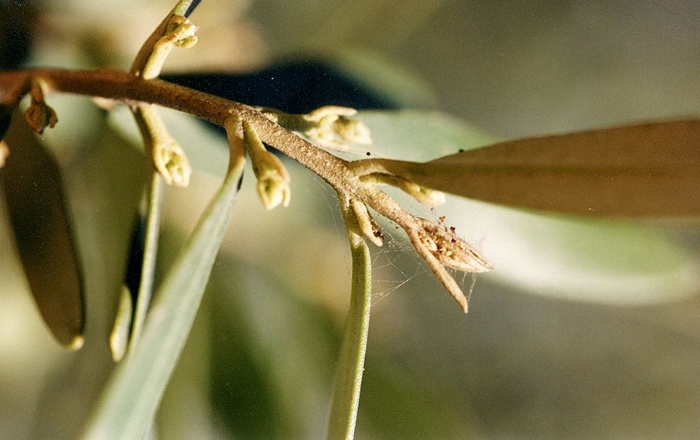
647, 170
155, 196
37, 208
348, 381
133, 393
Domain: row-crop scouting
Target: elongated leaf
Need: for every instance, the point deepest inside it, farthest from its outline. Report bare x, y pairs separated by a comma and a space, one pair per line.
648, 170
131, 398
35, 201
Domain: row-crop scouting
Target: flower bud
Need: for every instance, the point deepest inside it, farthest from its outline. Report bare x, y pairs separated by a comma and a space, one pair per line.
329, 126
273, 178
39, 116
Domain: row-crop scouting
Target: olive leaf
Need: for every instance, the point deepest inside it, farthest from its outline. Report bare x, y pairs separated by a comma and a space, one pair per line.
647, 170
37, 209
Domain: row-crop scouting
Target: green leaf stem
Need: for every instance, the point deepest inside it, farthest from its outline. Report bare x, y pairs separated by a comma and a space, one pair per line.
351, 362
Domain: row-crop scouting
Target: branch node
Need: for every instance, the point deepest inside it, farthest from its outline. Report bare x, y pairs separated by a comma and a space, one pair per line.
427, 196
366, 223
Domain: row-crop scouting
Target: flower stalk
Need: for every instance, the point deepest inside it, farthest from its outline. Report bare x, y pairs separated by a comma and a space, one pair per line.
167, 155
179, 32
427, 196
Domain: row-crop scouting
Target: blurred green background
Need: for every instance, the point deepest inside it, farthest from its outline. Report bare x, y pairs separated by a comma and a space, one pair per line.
520, 365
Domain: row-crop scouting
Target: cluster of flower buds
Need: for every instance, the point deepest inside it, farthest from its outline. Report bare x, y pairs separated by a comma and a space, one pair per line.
330, 126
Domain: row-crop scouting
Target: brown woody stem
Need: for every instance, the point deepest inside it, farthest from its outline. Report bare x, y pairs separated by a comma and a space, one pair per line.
439, 247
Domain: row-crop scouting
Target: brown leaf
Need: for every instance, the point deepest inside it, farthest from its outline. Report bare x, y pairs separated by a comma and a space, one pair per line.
647, 170
35, 202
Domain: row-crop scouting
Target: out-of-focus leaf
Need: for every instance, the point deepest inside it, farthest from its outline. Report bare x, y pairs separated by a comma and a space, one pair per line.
587, 260
273, 354
35, 201
294, 87
131, 398
648, 170
391, 81
417, 135
17, 22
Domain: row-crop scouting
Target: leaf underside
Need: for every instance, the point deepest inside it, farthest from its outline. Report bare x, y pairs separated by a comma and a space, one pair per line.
37, 209
647, 170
